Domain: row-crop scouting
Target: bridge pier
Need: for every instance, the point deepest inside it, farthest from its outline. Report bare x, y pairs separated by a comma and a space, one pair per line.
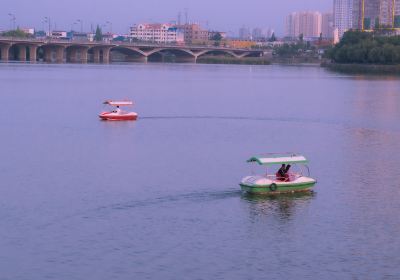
60, 54
77, 55
22, 53
48, 54
101, 54
84, 55
106, 55
96, 55
32, 53
5, 52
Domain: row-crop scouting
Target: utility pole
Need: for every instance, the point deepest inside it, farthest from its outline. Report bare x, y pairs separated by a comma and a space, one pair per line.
362, 14
393, 14
47, 19
13, 18
80, 21
110, 23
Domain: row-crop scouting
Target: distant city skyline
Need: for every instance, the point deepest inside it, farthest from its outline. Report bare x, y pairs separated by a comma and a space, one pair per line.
121, 14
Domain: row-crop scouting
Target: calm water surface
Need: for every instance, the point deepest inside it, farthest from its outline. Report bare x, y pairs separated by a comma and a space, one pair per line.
159, 198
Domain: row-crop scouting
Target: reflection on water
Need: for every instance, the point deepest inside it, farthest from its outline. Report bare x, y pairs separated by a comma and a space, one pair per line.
282, 206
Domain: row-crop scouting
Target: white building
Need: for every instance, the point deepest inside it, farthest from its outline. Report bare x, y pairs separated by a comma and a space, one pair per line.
307, 23
30, 31
342, 15
157, 33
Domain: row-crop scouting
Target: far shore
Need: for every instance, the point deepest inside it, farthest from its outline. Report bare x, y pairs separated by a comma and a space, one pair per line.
378, 69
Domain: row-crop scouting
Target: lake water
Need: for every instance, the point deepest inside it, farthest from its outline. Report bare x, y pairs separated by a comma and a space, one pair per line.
159, 198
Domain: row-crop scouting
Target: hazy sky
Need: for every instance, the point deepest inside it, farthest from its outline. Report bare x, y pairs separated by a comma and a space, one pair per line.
224, 15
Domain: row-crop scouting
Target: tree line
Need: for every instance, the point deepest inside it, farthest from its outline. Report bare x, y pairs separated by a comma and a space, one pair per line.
366, 47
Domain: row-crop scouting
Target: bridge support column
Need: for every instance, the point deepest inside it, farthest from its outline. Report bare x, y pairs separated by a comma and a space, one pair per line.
48, 53
32, 53
96, 55
22, 53
72, 56
5, 49
84, 55
60, 55
106, 55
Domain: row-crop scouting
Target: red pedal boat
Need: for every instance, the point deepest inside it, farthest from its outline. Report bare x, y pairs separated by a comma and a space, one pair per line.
117, 114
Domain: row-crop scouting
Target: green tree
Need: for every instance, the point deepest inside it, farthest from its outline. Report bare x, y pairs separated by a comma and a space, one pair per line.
301, 38
17, 33
99, 34
273, 38
217, 37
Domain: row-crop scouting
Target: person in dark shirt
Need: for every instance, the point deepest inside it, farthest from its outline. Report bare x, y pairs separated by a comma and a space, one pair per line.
287, 177
280, 175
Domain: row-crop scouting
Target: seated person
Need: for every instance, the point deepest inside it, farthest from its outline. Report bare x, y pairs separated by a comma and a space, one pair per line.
287, 175
280, 175
118, 110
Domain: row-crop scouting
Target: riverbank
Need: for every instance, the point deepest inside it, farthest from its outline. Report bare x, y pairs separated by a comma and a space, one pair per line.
233, 60
376, 69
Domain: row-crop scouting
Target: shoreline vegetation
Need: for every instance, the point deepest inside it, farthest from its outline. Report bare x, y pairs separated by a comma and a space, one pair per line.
233, 60
358, 68
365, 53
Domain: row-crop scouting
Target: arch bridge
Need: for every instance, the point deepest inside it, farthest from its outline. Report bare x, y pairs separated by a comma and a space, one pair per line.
60, 51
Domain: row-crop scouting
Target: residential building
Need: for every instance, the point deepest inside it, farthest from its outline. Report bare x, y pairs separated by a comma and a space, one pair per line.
241, 44
389, 14
306, 23
366, 13
157, 33
327, 25
193, 33
373, 14
343, 15
30, 31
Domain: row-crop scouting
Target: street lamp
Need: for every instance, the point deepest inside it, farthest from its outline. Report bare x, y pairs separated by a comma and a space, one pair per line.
110, 23
73, 25
13, 18
47, 19
80, 21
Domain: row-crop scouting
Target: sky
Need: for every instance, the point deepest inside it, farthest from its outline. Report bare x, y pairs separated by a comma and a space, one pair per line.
221, 15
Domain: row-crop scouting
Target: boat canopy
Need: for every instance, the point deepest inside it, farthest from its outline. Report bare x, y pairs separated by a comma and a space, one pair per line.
278, 160
118, 103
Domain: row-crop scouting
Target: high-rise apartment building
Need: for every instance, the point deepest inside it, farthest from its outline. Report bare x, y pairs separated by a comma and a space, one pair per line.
306, 23
343, 15
389, 14
327, 25
373, 14
365, 14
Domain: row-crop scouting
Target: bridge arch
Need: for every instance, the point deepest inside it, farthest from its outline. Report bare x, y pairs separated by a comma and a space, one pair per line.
231, 53
124, 53
172, 54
